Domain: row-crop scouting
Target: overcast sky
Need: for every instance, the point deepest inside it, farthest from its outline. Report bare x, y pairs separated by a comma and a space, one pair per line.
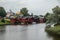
39, 7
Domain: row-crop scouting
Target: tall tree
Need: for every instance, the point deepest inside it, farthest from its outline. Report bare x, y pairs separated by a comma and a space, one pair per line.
48, 17
2, 12
24, 11
56, 11
47, 14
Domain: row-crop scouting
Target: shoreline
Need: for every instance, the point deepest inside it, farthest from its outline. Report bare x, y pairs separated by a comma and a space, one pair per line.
53, 30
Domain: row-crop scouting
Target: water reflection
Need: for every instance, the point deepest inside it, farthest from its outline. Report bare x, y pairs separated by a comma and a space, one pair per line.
16, 32
54, 37
26, 32
2, 32
2, 28
24, 35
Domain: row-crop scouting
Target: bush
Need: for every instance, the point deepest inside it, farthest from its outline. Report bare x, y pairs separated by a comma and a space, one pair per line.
7, 21
3, 20
54, 30
57, 24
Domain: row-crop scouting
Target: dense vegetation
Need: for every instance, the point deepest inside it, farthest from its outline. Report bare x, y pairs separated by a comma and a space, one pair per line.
55, 30
24, 11
2, 12
55, 18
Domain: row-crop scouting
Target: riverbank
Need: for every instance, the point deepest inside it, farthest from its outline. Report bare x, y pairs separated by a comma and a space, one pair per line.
54, 30
4, 23
1, 23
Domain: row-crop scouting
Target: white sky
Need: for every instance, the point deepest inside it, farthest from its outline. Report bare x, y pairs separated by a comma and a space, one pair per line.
39, 7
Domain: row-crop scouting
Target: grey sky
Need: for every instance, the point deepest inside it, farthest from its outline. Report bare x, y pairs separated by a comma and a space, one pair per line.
39, 7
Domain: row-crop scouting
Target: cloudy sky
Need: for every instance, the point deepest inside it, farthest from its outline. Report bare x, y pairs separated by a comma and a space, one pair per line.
39, 7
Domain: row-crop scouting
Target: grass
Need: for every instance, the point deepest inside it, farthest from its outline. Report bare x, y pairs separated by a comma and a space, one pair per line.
54, 30
2, 23
5, 23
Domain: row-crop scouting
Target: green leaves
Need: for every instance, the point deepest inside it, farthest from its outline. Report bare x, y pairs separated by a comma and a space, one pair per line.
2, 12
56, 10
55, 16
24, 11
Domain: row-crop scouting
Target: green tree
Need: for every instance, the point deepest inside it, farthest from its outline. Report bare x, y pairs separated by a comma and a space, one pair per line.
49, 17
3, 20
2, 12
24, 11
56, 11
47, 14
41, 15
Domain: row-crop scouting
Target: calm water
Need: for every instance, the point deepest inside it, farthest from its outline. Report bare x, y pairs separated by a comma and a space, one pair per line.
26, 32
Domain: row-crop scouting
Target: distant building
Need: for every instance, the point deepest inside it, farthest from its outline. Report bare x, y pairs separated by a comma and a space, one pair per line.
10, 13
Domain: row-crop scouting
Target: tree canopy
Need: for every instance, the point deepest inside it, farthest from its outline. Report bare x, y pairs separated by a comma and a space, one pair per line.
55, 17
56, 10
2, 12
47, 14
24, 11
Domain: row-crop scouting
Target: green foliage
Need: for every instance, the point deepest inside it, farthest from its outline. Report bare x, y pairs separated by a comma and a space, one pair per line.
55, 17
3, 20
2, 12
54, 30
48, 17
24, 11
56, 11
47, 14
41, 15
7, 21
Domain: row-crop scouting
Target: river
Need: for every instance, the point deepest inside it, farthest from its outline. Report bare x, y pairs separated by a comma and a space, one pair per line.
26, 32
